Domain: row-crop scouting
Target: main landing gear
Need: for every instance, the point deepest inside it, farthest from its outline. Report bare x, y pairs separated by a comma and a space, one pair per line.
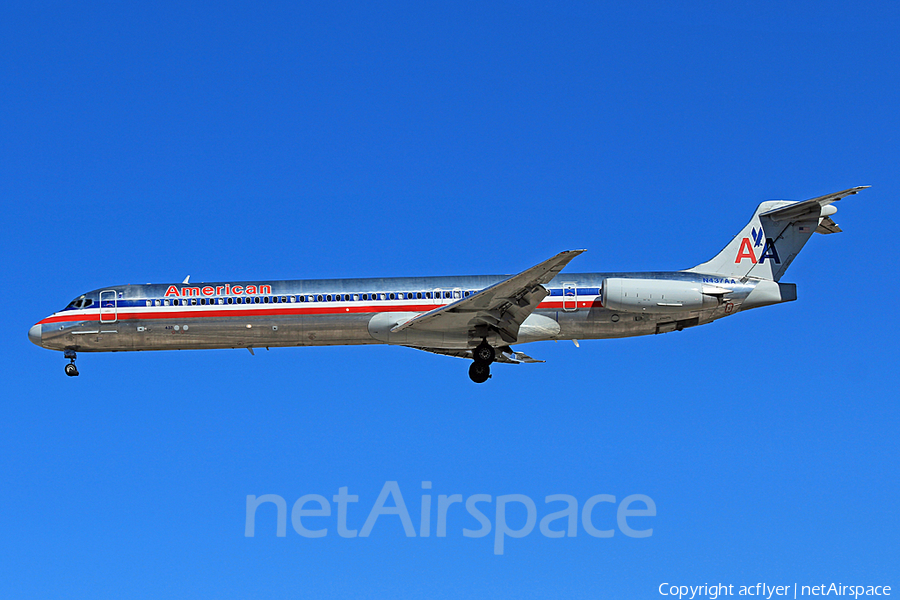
71, 369
482, 357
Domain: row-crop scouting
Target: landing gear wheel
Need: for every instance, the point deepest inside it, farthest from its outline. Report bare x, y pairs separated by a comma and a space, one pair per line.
71, 369
479, 372
484, 353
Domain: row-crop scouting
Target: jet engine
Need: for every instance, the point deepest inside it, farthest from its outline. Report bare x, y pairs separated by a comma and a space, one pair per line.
659, 295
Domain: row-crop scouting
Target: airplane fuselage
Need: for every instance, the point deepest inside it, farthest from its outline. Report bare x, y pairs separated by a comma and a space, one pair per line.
350, 311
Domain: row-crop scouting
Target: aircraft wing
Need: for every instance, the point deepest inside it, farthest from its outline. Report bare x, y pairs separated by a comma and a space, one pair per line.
809, 208
501, 307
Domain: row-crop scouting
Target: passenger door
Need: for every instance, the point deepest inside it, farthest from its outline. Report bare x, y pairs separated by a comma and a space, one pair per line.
108, 306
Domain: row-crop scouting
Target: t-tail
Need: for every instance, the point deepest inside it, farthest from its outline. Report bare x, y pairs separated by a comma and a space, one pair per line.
768, 244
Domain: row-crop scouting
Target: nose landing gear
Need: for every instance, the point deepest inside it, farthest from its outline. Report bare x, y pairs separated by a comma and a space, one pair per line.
482, 357
71, 369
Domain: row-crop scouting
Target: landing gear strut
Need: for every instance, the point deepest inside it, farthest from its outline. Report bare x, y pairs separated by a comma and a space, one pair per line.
71, 369
482, 357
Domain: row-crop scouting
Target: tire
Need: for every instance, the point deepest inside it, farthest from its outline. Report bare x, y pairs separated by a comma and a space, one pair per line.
484, 353
71, 370
479, 372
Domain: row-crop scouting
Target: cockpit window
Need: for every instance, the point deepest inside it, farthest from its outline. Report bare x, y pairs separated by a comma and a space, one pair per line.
79, 303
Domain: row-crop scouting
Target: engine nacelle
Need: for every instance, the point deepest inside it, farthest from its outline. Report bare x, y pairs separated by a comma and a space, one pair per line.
657, 296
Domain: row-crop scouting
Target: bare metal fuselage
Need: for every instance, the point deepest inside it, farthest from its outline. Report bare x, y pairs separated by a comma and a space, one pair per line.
355, 311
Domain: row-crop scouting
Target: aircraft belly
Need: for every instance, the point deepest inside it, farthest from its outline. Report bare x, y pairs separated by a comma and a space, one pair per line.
86, 336
602, 323
252, 332
379, 327
319, 330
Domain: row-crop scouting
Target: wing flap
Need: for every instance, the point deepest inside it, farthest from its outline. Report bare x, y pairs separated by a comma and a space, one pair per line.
504, 355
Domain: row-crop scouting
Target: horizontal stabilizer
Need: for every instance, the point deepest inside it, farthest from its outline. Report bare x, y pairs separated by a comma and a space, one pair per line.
809, 208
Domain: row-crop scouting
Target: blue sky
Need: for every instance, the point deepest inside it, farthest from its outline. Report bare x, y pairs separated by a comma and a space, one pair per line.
232, 141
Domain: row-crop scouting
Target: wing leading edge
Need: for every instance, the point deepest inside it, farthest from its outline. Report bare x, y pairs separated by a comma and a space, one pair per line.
501, 308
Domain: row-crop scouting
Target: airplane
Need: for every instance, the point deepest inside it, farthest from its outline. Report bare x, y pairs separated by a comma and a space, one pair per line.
471, 317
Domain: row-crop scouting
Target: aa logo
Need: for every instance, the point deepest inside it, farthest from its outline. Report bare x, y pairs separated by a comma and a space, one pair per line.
768, 250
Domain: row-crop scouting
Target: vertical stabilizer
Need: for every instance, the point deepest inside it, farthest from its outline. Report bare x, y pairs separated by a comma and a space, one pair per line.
776, 233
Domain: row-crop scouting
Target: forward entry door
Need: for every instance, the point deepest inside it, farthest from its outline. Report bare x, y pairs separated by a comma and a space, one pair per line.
108, 307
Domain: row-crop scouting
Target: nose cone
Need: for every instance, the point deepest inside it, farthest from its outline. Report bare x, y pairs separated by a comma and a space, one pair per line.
34, 334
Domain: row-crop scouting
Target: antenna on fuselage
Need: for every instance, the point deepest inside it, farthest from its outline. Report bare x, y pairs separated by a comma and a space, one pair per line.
186, 280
